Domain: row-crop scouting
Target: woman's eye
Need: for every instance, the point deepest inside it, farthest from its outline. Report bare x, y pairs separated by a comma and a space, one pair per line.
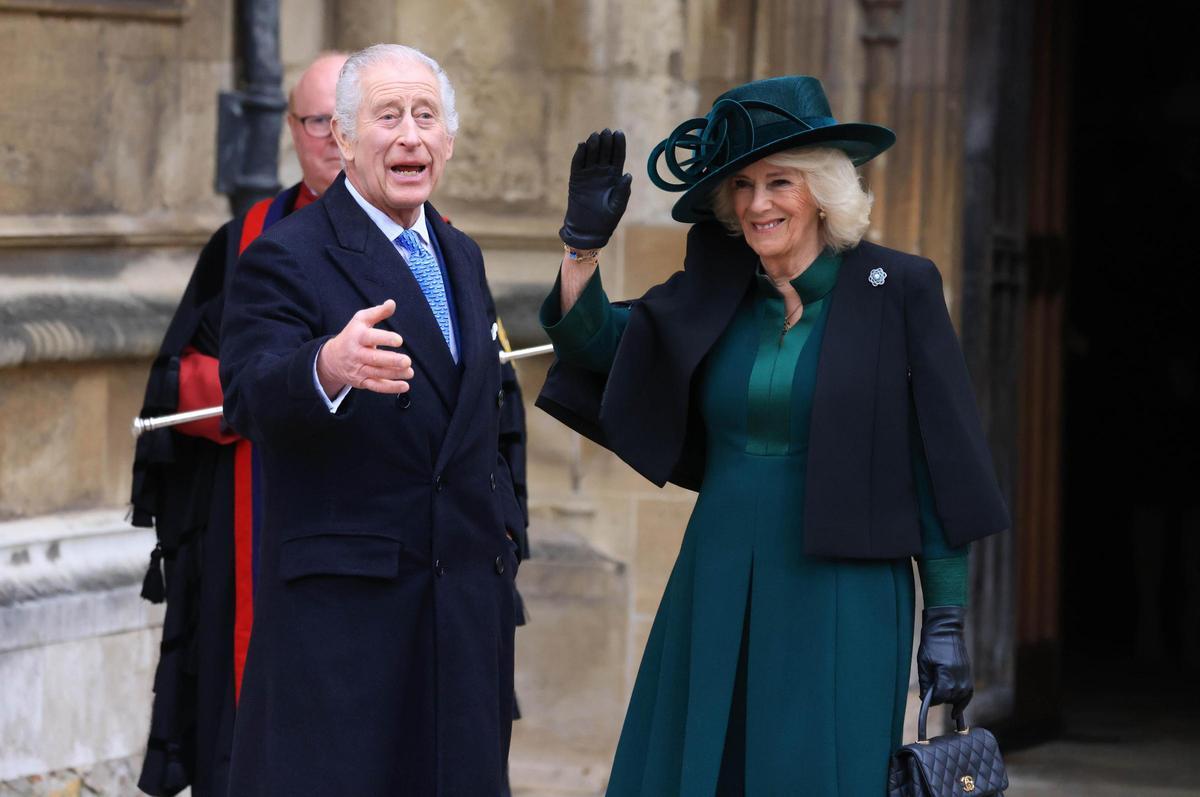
780, 183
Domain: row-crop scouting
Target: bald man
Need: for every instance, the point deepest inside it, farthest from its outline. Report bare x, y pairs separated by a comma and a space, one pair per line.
196, 484
310, 108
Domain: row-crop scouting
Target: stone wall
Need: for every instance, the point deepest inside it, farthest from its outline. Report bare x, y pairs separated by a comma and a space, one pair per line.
106, 172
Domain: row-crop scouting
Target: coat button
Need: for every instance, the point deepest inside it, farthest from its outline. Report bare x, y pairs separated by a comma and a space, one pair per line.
492, 479
499, 565
500, 397
438, 570
404, 401
437, 483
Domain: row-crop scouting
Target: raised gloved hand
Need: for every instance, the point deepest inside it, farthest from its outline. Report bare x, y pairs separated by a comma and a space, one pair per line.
598, 191
942, 661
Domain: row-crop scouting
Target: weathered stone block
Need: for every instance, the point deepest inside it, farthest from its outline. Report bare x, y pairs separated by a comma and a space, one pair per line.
475, 35
579, 36
578, 103
661, 523
498, 154
645, 37
78, 645
652, 255
187, 162
570, 663
639, 634
302, 34
649, 109
79, 702
64, 439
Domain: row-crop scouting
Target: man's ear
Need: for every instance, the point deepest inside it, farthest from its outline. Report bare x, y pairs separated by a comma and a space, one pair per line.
343, 142
449, 147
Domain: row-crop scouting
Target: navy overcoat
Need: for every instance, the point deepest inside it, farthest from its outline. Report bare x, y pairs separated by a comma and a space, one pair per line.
382, 653
889, 357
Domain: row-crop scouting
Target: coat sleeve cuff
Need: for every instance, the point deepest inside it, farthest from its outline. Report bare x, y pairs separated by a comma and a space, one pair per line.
572, 332
944, 581
588, 334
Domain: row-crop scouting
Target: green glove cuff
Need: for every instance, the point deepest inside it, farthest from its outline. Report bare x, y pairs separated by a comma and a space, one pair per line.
944, 581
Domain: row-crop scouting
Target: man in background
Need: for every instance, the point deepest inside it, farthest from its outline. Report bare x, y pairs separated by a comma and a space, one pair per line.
186, 480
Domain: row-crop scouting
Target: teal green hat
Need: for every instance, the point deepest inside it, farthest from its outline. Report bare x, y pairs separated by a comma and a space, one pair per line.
748, 123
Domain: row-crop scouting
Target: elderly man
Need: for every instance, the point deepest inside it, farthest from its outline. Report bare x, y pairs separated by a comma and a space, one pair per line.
186, 479
359, 356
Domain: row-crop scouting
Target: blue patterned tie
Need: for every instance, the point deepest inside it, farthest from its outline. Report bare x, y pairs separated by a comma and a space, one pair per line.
424, 267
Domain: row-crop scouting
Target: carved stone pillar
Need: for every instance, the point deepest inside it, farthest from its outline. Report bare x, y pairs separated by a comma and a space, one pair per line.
881, 25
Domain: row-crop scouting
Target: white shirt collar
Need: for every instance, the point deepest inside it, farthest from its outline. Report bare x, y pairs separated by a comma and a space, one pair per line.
385, 223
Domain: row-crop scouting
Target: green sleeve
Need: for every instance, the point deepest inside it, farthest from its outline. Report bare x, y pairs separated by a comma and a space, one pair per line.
588, 334
943, 569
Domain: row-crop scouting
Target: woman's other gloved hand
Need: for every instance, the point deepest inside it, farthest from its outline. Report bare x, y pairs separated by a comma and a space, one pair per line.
598, 191
942, 661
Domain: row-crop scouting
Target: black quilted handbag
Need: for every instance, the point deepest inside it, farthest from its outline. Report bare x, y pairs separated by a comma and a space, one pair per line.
964, 763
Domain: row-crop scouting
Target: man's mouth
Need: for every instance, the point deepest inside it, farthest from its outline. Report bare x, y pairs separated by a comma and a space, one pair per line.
407, 169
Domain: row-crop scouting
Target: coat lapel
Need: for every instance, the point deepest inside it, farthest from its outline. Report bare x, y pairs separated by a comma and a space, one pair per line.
476, 352
372, 265
843, 413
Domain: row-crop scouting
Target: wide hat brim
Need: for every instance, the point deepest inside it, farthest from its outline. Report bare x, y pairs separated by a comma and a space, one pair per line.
859, 140
748, 123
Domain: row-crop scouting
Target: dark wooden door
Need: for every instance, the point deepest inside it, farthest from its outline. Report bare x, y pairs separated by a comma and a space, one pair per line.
994, 285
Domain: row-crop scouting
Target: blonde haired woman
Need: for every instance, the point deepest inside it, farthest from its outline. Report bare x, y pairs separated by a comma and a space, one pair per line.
810, 386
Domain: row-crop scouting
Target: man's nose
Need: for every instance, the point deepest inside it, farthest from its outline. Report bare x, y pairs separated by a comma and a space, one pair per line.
406, 133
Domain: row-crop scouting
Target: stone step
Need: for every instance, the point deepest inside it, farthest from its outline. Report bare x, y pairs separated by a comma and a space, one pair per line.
571, 660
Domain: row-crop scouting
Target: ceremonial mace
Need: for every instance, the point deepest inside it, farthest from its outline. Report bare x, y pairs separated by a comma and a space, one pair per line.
163, 421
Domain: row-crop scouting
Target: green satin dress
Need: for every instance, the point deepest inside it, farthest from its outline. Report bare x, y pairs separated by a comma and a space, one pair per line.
765, 669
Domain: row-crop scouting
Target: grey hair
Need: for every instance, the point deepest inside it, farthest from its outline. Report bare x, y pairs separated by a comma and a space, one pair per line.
349, 85
834, 184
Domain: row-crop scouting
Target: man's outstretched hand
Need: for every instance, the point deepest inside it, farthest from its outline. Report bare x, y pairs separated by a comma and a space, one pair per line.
354, 357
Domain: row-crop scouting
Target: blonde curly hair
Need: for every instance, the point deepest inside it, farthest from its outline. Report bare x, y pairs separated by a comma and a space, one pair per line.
834, 184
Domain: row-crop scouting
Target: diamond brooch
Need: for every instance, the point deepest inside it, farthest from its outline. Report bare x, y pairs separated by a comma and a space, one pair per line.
877, 277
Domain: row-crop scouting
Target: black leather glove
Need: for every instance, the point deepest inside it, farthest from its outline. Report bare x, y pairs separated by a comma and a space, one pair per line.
942, 661
598, 192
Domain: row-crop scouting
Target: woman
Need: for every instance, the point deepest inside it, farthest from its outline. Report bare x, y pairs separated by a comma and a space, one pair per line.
809, 385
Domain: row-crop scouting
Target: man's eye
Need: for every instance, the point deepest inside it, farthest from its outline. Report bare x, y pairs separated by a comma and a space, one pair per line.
388, 117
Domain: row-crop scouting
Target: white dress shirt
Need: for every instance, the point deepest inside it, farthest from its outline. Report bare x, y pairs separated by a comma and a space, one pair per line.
391, 230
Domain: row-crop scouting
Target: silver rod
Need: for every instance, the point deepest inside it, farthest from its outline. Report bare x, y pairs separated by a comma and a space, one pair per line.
520, 354
163, 421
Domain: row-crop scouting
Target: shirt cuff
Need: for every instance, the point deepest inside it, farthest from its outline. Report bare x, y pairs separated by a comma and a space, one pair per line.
336, 401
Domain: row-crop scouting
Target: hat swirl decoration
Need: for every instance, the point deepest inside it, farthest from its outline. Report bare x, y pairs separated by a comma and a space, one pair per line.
712, 145
746, 124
